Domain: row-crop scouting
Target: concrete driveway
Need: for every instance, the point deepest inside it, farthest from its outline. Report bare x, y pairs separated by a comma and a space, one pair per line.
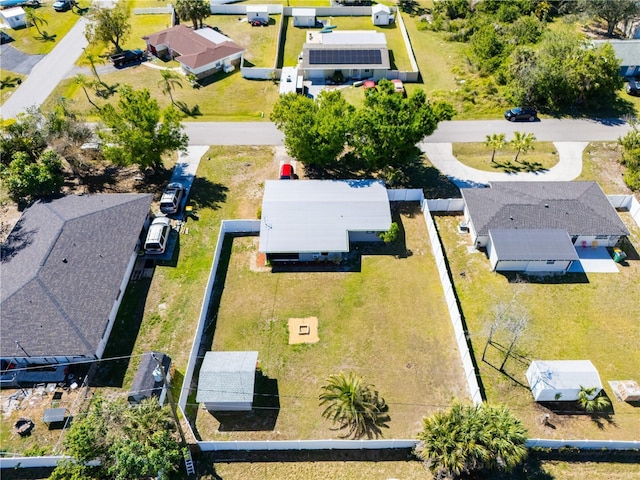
14, 60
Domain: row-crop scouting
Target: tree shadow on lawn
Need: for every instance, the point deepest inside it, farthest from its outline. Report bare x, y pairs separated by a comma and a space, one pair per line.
524, 166
205, 193
617, 111
264, 412
600, 418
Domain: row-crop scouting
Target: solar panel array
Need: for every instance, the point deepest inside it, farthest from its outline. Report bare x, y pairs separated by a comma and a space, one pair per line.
341, 57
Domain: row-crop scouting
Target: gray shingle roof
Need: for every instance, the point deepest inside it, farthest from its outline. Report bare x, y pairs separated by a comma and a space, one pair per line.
580, 208
532, 245
227, 377
62, 266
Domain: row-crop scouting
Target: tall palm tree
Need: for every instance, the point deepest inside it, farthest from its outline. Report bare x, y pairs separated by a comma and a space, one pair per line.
33, 18
85, 82
354, 406
591, 402
170, 80
468, 439
92, 58
522, 142
496, 142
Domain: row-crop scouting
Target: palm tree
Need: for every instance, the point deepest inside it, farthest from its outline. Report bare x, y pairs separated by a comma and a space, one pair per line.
522, 142
467, 439
34, 19
92, 58
85, 82
496, 142
589, 401
354, 406
170, 80
194, 10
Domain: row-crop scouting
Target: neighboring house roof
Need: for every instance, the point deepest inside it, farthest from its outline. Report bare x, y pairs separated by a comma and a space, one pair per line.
13, 12
194, 49
525, 244
349, 49
317, 215
62, 267
562, 375
628, 51
579, 208
227, 377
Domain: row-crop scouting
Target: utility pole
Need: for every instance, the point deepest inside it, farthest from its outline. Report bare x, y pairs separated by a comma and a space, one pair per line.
170, 397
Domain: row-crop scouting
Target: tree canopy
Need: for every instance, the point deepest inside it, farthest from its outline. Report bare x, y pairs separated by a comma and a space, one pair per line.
472, 439
109, 25
611, 11
131, 442
194, 10
26, 179
136, 131
630, 144
383, 133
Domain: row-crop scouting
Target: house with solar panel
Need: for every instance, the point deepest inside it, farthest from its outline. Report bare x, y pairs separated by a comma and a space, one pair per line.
353, 55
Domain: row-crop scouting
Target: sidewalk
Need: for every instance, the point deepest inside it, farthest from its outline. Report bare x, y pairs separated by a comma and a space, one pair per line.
441, 156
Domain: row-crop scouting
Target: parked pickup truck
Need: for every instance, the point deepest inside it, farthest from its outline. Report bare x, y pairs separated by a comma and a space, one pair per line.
127, 57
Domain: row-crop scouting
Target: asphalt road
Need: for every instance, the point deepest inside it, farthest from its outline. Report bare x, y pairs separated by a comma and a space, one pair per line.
551, 130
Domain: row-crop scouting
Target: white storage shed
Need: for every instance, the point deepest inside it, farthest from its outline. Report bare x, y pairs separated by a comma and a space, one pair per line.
257, 12
561, 380
381, 14
304, 17
15, 17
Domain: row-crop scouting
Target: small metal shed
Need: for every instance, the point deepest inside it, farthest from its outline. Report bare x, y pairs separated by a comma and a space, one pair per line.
227, 381
257, 12
561, 380
381, 14
15, 17
304, 17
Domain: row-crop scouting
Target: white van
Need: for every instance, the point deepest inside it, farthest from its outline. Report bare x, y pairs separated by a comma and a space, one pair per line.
158, 236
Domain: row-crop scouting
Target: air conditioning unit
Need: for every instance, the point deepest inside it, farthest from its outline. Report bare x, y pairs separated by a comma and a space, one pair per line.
229, 68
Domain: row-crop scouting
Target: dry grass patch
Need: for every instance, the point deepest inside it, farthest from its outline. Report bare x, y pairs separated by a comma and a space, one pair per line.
591, 318
387, 322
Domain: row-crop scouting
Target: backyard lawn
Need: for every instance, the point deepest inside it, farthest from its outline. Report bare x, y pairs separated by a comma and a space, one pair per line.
577, 317
387, 322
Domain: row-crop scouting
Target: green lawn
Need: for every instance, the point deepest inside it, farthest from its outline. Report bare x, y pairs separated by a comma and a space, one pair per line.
477, 155
387, 322
583, 318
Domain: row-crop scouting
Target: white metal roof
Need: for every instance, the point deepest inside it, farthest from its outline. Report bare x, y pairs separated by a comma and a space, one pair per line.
528, 244
354, 37
562, 375
288, 80
317, 215
227, 377
303, 12
213, 36
13, 12
378, 7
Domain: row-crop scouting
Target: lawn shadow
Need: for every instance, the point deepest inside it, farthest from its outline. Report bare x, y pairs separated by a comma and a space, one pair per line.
564, 279
45, 37
263, 414
513, 355
10, 82
189, 111
115, 360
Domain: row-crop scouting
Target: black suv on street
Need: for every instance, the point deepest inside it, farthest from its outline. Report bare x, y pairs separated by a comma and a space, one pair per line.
521, 113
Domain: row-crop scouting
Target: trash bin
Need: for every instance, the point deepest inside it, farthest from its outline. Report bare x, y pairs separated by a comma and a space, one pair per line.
618, 255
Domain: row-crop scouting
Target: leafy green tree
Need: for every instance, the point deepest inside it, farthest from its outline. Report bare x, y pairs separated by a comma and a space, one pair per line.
472, 440
194, 10
314, 129
386, 130
522, 142
136, 131
22, 134
390, 235
611, 11
589, 401
109, 25
84, 82
630, 158
94, 59
496, 142
354, 406
131, 442
27, 180
35, 19
170, 80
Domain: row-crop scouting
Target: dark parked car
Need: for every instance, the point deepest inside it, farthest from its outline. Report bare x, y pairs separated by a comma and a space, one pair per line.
62, 5
259, 22
529, 114
633, 87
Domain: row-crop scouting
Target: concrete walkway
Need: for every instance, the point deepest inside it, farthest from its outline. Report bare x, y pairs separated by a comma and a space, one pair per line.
441, 156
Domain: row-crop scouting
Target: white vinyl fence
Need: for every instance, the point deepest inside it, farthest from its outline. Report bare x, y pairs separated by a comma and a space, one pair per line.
627, 202
584, 444
305, 445
405, 195
446, 205
454, 312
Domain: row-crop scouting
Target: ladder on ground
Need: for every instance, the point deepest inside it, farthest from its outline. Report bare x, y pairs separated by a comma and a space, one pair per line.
188, 463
